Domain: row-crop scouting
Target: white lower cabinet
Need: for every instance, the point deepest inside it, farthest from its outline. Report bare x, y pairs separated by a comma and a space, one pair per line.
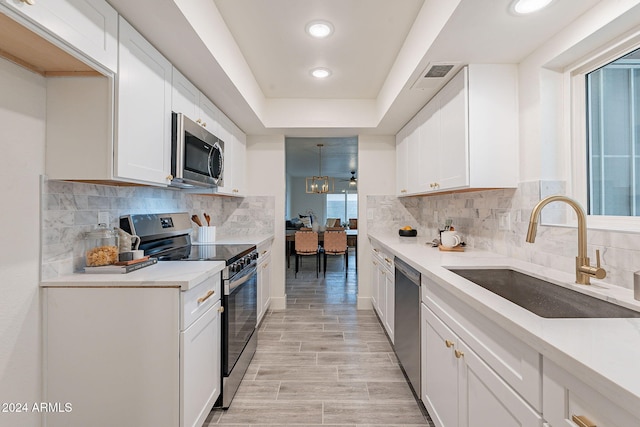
132, 356
567, 401
460, 389
474, 373
264, 280
200, 378
383, 290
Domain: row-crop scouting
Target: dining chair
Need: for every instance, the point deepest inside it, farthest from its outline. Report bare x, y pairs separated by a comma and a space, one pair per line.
335, 243
353, 223
306, 244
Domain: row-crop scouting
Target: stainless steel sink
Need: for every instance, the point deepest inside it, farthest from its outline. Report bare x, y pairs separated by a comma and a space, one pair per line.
541, 297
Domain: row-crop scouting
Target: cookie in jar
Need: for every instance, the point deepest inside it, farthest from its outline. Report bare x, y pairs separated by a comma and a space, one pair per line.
101, 247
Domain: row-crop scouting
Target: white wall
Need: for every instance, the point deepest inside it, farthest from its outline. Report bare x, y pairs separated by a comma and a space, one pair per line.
266, 177
545, 146
376, 176
301, 202
22, 137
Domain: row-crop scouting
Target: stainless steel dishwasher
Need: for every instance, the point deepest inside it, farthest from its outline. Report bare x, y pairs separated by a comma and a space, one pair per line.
407, 321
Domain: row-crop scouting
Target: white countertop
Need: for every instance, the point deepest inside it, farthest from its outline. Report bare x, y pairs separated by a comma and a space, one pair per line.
184, 275
604, 353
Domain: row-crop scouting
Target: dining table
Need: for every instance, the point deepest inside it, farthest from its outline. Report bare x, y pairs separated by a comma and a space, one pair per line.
352, 240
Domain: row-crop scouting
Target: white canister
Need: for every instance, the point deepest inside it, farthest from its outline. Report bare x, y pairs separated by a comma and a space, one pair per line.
207, 234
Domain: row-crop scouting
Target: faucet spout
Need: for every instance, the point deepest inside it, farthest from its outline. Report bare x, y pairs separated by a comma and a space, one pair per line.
584, 270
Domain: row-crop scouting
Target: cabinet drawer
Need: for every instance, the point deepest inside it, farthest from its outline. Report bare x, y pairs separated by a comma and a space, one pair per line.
517, 364
566, 396
197, 300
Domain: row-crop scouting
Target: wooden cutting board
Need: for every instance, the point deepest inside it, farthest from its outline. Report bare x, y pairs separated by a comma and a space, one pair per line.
133, 261
453, 249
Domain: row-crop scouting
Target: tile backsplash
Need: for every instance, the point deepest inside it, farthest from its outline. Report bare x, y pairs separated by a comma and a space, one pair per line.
477, 215
69, 209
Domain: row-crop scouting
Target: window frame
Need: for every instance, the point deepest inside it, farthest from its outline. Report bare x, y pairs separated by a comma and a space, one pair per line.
578, 185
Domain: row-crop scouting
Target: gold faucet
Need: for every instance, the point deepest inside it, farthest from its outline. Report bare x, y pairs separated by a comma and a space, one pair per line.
584, 270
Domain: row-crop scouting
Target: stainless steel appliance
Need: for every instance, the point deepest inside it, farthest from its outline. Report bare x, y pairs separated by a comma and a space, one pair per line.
197, 155
167, 237
407, 321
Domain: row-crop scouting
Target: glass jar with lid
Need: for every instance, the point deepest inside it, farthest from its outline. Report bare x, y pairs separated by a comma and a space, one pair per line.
101, 246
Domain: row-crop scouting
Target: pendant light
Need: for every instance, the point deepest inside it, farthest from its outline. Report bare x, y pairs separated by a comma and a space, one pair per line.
319, 184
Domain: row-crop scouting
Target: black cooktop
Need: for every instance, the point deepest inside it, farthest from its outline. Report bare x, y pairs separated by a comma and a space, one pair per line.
208, 252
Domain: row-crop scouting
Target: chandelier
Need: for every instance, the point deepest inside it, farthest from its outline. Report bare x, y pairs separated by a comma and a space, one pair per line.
319, 184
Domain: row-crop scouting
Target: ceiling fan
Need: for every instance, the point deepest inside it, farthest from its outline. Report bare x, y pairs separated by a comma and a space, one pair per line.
353, 181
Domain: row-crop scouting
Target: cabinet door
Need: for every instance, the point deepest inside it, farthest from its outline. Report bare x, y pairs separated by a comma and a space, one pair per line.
234, 157
91, 26
374, 281
389, 287
209, 115
402, 160
453, 150
143, 148
200, 368
382, 295
565, 396
428, 147
485, 399
439, 371
266, 283
184, 96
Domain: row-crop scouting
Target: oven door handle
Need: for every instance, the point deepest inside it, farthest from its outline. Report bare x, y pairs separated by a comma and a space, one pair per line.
236, 283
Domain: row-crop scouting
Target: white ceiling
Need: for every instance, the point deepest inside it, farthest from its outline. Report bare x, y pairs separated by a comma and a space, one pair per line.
361, 51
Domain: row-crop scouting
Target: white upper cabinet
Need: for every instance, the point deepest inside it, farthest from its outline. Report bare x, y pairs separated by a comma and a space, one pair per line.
88, 26
235, 153
143, 127
465, 137
188, 100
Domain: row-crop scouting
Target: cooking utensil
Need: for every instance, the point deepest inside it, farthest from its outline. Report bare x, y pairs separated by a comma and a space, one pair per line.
195, 219
207, 217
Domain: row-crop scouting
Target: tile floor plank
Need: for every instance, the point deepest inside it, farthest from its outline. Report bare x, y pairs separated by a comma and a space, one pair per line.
322, 362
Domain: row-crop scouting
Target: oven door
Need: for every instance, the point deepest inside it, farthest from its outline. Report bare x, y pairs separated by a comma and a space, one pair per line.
240, 315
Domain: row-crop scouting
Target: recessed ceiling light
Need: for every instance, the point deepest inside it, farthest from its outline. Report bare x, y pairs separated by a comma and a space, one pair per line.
320, 73
523, 7
319, 29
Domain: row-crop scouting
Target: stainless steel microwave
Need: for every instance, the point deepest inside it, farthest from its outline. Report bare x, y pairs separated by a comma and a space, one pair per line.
197, 155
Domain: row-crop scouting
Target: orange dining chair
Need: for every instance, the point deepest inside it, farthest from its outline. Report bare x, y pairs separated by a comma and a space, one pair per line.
306, 244
335, 243
353, 223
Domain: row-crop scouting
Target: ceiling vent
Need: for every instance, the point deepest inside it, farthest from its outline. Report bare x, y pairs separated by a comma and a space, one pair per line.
435, 75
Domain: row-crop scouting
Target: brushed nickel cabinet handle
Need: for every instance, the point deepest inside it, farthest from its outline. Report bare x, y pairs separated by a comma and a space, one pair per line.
448, 343
582, 421
206, 297
459, 354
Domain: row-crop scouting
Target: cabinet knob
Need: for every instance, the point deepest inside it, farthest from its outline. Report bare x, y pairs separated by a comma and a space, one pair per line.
29, 2
235, 190
169, 177
582, 421
220, 309
459, 354
204, 124
448, 343
403, 191
199, 121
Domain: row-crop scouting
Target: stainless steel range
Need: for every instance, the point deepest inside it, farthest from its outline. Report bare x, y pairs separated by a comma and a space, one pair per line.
168, 238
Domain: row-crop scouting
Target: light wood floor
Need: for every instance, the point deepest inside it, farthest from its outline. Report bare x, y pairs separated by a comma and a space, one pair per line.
322, 362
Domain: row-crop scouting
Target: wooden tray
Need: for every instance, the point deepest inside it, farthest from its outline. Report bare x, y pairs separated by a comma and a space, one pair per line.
453, 249
133, 261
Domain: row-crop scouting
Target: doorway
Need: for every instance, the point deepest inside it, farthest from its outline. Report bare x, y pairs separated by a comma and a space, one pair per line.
329, 201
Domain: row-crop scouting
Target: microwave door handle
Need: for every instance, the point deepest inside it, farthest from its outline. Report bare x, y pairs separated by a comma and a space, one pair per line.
210, 160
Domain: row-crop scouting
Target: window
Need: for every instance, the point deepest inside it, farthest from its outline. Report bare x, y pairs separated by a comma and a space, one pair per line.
342, 205
613, 137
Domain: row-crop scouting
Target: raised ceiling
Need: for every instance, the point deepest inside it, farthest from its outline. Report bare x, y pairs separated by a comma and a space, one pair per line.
251, 57
360, 53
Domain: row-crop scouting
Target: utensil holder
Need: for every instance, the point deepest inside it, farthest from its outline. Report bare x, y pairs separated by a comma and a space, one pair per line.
207, 234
